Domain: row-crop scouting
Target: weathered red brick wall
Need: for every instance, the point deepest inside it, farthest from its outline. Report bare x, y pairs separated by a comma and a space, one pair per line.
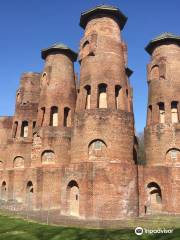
27, 99
5, 133
162, 137
114, 178
17, 153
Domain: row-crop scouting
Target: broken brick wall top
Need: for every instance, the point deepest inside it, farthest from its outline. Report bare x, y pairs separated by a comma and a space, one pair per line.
5, 129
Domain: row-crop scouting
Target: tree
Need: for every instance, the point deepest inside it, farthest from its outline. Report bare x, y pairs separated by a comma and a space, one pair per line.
141, 157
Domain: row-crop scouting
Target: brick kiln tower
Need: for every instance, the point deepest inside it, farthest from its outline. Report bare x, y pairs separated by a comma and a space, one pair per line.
102, 176
52, 136
57, 102
16, 145
160, 188
20, 142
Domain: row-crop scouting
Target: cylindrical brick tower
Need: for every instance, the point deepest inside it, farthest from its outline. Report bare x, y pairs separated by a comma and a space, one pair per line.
56, 106
57, 87
163, 113
20, 143
103, 137
27, 99
24, 119
160, 181
52, 136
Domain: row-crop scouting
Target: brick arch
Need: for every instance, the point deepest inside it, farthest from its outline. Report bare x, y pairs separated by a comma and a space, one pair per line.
72, 197
24, 128
119, 98
29, 186
97, 149
73, 183
54, 116
154, 198
172, 154
97, 139
1, 164
155, 75
44, 78
29, 194
174, 112
4, 190
48, 156
18, 162
154, 185
67, 117
18, 96
102, 95
85, 44
87, 90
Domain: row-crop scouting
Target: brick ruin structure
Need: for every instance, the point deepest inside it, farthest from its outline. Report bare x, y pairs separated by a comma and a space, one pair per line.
71, 143
159, 180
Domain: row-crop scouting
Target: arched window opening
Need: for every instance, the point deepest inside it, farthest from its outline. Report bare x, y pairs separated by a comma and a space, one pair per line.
154, 203
85, 44
102, 95
18, 97
154, 188
24, 129
15, 127
29, 194
42, 115
3, 191
73, 198
172, 155
88, 96
174, 112
161, 112
97, 150
155, 73
44, 78
149, 114
117, 96
67, 117
54, 117
29, 187
18, 162
48, 156
44, 75
1, 165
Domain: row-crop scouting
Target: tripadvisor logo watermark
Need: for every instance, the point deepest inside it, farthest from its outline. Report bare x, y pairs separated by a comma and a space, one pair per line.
140, 231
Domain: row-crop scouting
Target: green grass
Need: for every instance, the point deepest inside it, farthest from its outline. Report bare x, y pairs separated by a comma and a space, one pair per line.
19, 229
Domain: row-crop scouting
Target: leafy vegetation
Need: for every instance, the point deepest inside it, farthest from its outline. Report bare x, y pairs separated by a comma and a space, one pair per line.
141, 150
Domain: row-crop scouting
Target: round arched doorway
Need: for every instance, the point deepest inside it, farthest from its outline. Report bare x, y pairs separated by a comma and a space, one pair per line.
29, 194
73, 198
154, 204
3, 191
